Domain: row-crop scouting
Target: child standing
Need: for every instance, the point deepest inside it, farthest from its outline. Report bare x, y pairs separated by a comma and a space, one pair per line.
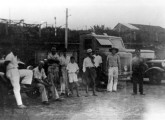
73, 70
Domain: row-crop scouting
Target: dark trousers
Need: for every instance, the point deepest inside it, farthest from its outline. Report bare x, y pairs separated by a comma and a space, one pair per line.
90, 75
137, 79
98, 71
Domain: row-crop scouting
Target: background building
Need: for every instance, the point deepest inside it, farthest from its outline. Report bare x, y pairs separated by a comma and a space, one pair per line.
143, 37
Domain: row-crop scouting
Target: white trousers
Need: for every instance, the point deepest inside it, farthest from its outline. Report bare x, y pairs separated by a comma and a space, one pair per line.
112, 79
64, 80
14, 75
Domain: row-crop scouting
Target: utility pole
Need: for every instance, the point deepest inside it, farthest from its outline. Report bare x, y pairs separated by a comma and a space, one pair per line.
55, 29
66, 30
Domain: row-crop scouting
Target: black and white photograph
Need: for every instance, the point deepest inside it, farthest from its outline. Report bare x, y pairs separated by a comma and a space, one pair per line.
82, 60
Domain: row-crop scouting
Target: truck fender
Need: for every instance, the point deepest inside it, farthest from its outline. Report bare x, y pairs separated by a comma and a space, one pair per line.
154, 69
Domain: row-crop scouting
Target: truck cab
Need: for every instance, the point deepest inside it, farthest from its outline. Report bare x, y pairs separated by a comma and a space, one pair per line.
104, 42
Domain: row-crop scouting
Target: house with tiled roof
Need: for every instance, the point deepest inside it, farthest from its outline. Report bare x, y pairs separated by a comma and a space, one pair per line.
142, 36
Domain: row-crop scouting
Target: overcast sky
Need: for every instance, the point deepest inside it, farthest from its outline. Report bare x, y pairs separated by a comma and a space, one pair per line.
86, 12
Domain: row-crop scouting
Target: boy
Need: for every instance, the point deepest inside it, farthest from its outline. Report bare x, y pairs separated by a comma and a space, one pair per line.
73, 70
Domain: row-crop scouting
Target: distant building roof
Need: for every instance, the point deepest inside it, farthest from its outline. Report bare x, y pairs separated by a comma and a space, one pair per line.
139, 27
130, 26
149, 28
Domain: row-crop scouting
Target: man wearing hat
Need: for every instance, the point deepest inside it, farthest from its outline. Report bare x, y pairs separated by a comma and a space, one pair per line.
138, 67
53, 71
40, 78
113, 67
53, 54
90, 72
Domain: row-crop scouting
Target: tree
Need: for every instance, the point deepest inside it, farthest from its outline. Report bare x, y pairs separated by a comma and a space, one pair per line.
100, 29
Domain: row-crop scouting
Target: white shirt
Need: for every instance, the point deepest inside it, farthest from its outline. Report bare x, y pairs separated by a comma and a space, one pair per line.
13, 61
97, 60
54, 57
64, 61
72, 67
87, 63
39, 74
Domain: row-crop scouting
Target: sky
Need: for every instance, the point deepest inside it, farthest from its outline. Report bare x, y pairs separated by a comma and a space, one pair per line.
85, 13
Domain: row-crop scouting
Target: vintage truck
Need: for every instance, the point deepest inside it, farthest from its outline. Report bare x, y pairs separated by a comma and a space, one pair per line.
155, 71
156, 68
104, 42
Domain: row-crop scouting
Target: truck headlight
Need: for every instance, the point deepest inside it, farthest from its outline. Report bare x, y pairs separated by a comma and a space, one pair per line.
163, 64
125, 68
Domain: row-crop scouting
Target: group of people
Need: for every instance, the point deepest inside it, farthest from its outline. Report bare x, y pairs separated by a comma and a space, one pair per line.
63, 69
92, 68
54, 70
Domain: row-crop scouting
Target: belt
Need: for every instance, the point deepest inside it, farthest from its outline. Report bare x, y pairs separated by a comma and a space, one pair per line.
113, 66
72, 73
90, 67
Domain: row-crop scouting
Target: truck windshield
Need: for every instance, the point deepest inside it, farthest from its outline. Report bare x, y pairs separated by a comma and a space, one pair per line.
117, 43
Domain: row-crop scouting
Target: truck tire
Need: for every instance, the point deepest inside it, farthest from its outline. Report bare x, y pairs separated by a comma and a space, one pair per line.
155, 78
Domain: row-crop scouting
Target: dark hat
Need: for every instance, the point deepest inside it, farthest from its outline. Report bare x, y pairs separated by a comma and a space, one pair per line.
113, 48
53, 49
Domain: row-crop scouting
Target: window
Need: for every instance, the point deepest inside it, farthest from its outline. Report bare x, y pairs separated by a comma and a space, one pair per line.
118, 43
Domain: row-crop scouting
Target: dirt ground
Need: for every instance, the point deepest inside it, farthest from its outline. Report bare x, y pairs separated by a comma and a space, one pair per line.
119, 105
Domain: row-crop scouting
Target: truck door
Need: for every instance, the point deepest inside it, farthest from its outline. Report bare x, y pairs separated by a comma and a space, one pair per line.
86, 42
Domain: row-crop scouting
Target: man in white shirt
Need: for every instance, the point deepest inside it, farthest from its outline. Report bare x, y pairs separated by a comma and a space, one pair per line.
90, 72
40, 78
64, 60
98, 65
14, 75
53, 71
53, 54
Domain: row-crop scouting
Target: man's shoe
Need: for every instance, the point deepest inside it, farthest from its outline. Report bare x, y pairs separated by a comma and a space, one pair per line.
109, 91
134, 93
62, 94
142, 94
22, 106
78, 95
58, 100
87, 95
45, 103
94, 94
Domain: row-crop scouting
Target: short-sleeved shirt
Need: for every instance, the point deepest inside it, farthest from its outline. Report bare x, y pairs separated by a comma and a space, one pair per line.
54, 57
137, 63
39, 74
113, 60
97, 60
72, 67
64, 60
87, 63
13, 61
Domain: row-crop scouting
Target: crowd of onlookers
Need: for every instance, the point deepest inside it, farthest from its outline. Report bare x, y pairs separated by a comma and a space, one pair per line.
63, 70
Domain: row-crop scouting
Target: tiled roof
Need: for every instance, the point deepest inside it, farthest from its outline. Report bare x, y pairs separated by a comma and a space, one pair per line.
149, 28
130, 26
